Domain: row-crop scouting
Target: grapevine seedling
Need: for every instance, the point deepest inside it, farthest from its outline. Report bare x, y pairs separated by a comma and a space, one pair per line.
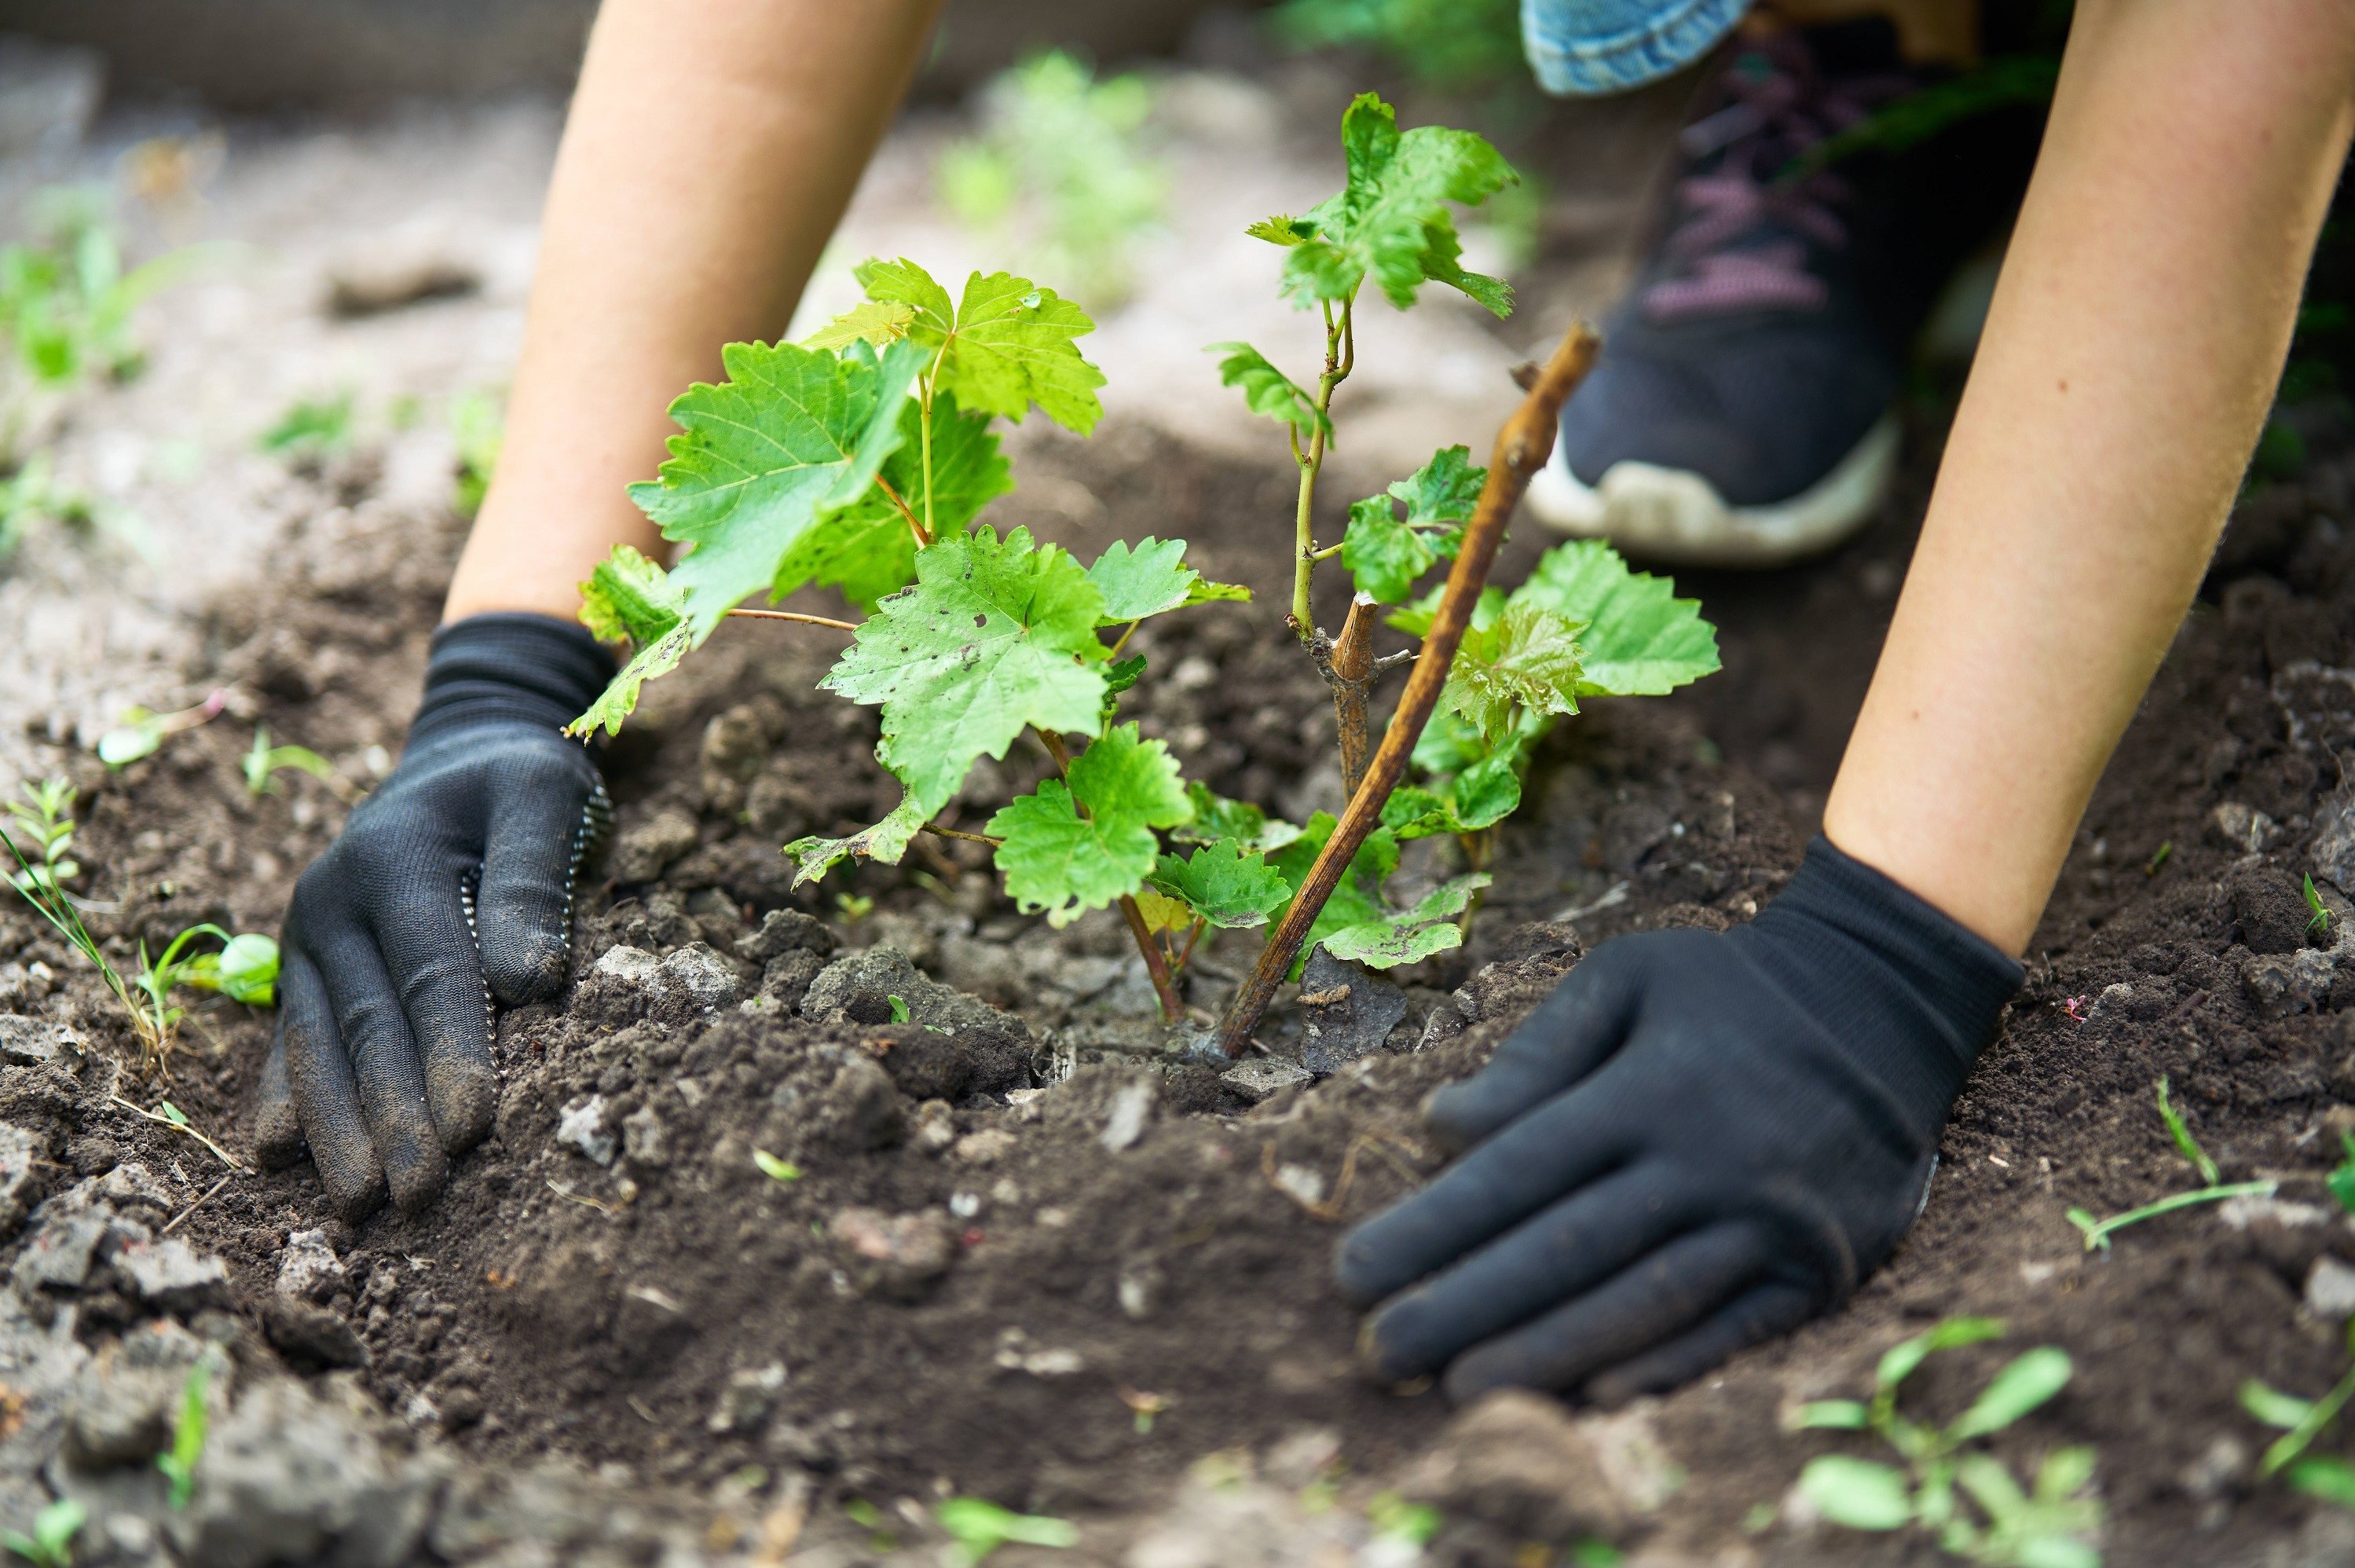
980, 1526
178, 1462
264, 762
2321, 916
50, 1544
2048, 1526
2097, 1232
142, 732
2302, 1420
861, 459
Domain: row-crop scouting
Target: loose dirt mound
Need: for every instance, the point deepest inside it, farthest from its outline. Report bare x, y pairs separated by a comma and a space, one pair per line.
1034, 1255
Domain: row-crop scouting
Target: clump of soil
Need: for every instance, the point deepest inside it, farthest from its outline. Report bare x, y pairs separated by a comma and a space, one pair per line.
1019, 1246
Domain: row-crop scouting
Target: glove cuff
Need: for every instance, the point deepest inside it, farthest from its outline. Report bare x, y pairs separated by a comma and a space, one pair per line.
509, 667
1954, 980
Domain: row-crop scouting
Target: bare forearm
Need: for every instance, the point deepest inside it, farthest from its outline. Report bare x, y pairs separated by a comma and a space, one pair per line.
2129, 358
711, 147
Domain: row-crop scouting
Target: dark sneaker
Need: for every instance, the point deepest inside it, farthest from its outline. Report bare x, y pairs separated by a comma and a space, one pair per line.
1740, 413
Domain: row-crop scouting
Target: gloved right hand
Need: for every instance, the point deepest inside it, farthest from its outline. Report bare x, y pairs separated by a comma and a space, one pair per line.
451, 886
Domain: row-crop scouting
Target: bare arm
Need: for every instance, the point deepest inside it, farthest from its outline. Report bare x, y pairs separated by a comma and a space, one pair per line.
711, 147
2129, 358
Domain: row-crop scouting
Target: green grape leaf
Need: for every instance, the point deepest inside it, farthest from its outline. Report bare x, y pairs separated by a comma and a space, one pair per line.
1216, 817
1444, 490
1357, 897
791, 436
1225, 883
1268, 391
1411, 935
1007, 344
630, 599
1413, 812
995, 637
620, 697
1415, 619
1072, 848
868, 551
879, 322
1383, 554
1862, 1494
1638, 637
1390, 222
1489, 790
1282, 230
1151, 578
886, 841
1527, 662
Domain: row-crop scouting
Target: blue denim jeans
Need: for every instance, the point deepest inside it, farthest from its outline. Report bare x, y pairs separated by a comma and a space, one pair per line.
1587, 47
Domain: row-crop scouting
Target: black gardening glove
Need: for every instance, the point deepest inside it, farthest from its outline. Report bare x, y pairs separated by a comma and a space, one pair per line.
391, 957
1698, 1141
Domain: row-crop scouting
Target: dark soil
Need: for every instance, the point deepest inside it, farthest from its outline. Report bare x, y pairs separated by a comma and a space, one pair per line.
677, 1314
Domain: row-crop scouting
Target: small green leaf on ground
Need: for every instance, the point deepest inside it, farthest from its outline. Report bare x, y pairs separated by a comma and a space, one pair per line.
178, 1462
2028, 1382
1898, 1362
1395, 1519
2321, 916
1216, 817
1832, 1415
980, 1526
1861, 1494
2273, 1407
777, 1169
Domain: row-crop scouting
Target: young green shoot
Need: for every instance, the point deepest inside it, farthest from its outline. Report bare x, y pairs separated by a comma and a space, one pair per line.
310, 428
264, 761
50, 1542
189, 1426
980, 1526
778, 1170
2320, 919
41, 882
44, 817
2159, 857
142, 732
2097, 1232
1960, 1494
2302, 1420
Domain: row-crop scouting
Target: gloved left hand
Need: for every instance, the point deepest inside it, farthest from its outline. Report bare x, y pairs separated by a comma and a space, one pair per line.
1698, 1141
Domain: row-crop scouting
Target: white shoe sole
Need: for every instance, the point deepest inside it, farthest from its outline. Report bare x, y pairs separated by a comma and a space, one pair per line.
1675, 517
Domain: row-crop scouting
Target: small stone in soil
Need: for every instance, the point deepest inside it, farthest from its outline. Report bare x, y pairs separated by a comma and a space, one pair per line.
2330, 1289
784, 930
641, 851
897, 1256
642, 1140
19, 1149
58, 1255
308, 1268
1260, 1077
1347, 1012
987, 1147
1131, 1107
311, 1335
692, 981
40, 1042
173, 1276
1519, 1462
860, 1109
582, 1126
748, 1397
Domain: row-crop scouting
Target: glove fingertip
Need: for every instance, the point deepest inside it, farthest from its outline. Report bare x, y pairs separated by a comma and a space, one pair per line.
525, 967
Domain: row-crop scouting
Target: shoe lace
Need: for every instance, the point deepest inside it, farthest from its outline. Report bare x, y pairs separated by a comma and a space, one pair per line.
1748, 175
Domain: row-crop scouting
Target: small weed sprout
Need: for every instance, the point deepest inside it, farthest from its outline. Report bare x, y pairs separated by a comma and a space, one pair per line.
980, 1526
2049, 1525
1395, 1519
141, 731
1060, 171
265, 762
2097, 1232
2302, 1420
245, 970
2341, 1179
311, 429
775, 1170
189, 1427
2320, 919
50, 1544
46, 818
